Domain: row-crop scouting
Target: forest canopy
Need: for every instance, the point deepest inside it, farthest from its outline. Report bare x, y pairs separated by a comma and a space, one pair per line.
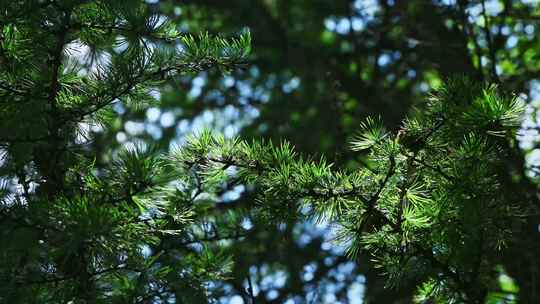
269, 151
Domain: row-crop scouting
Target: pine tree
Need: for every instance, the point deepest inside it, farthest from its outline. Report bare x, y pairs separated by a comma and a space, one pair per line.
72, 231
434, 204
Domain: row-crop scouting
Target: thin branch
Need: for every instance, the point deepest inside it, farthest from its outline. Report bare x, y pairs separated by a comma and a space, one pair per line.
436, 169
469, 33
57, 61
24, 140
250, 289
140, 78
214, 238
8, 88
74, 276
491, 48
389, 173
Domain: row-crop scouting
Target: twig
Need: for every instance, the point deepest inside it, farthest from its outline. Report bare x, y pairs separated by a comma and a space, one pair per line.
250, 289
491, 49
436, 169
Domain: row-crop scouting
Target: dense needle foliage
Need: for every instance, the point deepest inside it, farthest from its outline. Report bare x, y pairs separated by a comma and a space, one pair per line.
433, 203
70, 230
430, 206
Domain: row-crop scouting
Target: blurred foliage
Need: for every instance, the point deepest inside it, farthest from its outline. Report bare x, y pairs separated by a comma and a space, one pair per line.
138, 74
321, 67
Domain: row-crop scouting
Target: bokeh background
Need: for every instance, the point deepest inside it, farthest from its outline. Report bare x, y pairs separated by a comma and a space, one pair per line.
318, 68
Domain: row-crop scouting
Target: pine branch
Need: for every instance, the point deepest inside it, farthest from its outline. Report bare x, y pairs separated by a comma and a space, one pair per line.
57, 60
438, 170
